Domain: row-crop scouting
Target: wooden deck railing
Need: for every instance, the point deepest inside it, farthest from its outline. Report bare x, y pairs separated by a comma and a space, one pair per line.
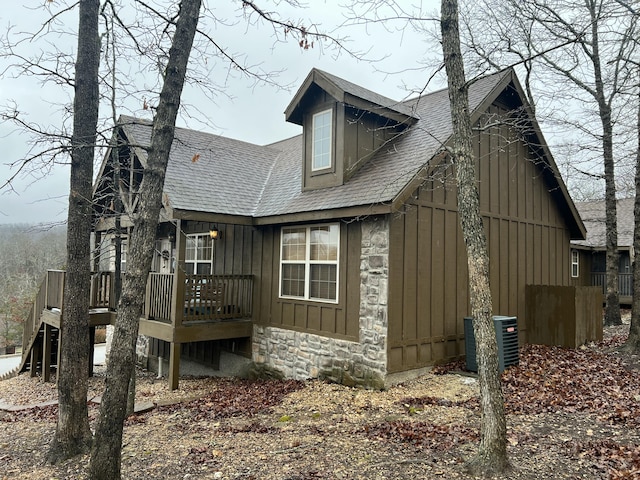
55, 288
102, 290
206, 297
49, 296
625, 282
217, 297
158, 300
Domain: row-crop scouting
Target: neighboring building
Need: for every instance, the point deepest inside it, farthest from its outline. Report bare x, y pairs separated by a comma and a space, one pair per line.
589, 255
337, 253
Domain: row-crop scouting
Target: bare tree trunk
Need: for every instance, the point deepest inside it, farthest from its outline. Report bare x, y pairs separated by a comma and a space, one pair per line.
106, 453
492, 453
612, 310
633, 340
73, 435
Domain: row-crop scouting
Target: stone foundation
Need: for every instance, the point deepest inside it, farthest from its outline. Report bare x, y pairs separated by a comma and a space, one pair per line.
142, 347
300, 355
108, 340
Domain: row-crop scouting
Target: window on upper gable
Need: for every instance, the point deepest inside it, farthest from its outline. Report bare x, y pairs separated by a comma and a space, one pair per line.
321, 140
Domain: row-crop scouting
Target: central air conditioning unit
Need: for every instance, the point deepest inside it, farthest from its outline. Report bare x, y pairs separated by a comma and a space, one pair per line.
506, 337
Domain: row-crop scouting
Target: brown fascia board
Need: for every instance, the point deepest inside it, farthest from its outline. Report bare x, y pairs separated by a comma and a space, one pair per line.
379, 110
361, 211
308, 216
180, 214
291, 113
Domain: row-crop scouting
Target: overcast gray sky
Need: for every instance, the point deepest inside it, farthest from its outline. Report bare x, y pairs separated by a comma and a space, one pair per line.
247, 112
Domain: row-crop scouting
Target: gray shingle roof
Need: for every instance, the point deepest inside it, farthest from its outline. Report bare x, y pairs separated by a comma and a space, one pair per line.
239, 178
384, 176
228, 176
368, 95
593, 216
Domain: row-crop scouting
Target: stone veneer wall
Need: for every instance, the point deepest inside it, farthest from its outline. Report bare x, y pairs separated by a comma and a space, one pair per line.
142, 346
301, 355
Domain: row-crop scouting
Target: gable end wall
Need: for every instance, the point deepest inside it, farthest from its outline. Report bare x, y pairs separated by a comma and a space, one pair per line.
528, 241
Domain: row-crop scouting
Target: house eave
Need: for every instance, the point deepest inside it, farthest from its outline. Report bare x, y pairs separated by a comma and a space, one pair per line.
211, 217
323, 215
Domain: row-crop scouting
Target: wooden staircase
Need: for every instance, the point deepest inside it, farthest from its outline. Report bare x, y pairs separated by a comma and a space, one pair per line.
40, 340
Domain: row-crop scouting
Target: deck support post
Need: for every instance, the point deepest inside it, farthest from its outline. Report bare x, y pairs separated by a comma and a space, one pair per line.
46, 352
92, 339
177, 293
58, 356
174, 365
36, 351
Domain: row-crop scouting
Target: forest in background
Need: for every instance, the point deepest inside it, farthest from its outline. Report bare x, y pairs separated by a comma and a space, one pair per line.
27, 251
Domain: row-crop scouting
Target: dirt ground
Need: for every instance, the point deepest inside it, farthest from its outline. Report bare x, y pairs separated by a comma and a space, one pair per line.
425, 428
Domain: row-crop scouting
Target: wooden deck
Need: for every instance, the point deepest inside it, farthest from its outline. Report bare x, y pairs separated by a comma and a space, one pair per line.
625, 285
208, 307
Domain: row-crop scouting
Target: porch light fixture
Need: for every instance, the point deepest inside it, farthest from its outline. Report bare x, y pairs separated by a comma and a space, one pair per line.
215, 233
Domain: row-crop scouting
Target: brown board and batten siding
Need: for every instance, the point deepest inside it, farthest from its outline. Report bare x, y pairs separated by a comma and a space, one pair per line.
336, 320
233, 250
528, 241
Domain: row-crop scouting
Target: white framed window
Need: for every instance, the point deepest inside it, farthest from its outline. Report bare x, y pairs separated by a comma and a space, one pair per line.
575, 264
309, 262
321, 142
107, 254
199, 254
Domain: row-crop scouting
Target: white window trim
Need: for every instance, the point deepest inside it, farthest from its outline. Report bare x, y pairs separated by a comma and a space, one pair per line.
124, 251
197, 262
575, 262
313, 143
307, 263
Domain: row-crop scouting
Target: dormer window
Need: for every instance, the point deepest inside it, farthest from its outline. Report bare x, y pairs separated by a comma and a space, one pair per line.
321, 142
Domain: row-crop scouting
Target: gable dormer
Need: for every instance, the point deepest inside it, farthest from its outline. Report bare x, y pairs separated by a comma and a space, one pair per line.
343, 126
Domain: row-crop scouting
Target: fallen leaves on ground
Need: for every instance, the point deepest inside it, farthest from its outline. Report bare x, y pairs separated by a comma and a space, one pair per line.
571, 413
585, 380
551, 379
620, 461
234, 397
433, 437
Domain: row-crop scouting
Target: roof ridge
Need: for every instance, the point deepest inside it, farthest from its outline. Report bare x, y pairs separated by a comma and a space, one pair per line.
446, 89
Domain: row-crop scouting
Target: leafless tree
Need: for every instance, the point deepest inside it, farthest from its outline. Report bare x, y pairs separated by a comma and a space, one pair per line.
73, 435
492, 453
576, 52
105, 455
632, 343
